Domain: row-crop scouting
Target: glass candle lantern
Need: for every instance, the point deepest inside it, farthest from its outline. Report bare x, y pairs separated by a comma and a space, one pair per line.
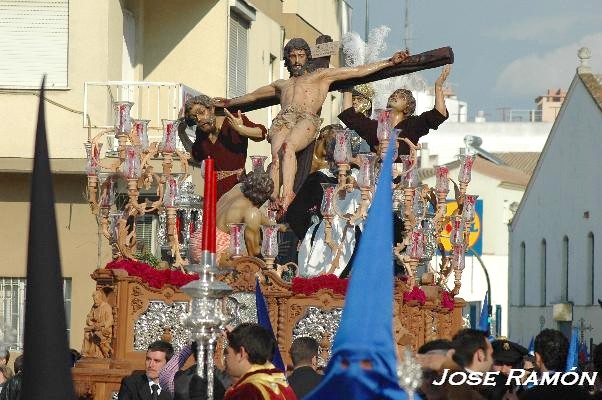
140, 128
418, 203
170, 194
131, 166
170, 136
92, 158
410, 179
108, 185
416, 246
258, 164
466, 162
114, 218
342, 147
456, 236
458, 257
121, 117
383, 117
442, 182
468, 211
238, 247
327, 206
366, 178
269, 244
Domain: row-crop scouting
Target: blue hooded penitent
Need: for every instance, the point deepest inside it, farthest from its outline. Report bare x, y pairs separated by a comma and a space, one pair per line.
366, 329
572, 359
263, 319
484, 317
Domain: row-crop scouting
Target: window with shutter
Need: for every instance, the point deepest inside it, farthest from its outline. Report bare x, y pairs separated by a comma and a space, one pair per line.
237, 56
34, 40
146, 235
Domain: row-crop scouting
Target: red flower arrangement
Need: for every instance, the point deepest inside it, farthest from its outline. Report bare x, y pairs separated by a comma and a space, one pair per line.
308, 286
153, 277
416, 294
447, 300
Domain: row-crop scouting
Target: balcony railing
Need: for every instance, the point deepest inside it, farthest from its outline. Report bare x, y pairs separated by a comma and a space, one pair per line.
152, 100
522, 116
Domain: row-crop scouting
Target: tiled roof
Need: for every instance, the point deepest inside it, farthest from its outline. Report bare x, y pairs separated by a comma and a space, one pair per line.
593, 83
524, 161
504, 173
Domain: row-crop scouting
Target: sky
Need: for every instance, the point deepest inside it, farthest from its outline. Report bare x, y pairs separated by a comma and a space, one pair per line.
506, 52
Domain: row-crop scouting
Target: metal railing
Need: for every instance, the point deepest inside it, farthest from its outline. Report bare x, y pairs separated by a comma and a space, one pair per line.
152, 100
523, 116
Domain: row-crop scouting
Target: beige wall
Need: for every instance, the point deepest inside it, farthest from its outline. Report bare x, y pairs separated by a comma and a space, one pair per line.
322, 15
78, 240
186, 42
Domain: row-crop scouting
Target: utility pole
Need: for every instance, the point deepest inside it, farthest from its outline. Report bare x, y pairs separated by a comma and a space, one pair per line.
406, 25
490, 308
367, 22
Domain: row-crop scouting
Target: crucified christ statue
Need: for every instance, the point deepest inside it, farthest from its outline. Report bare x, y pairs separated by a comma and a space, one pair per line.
301, 98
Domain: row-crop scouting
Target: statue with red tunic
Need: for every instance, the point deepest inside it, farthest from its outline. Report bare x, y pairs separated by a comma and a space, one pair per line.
250, 349
224, 138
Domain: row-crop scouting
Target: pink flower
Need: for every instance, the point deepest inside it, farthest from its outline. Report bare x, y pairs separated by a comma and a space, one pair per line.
416, 294
447, 300
151, 276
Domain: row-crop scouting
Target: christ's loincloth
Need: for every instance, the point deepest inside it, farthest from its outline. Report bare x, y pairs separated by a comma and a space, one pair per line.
289, 116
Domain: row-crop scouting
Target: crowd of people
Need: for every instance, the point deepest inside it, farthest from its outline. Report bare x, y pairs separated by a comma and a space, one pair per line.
248, 372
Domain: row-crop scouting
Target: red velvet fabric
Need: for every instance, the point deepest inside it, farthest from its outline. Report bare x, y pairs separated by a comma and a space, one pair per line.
229, 151
249, 391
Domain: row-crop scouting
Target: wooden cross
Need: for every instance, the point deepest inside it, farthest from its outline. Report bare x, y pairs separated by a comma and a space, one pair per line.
418, 62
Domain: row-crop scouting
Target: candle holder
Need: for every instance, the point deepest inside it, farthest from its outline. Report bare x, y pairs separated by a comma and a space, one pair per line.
121, 117
456, 236
468, 211
366, 181
415, 251
257, 164
383, 131
133, 166
464, 175
140, 133
457, 265
409, 373
441, 191
269, 244
342, 156
238, 247
328, 211
208, 316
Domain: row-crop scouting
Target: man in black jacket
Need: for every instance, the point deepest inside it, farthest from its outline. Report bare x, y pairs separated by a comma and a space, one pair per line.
146, 386
304, 353
12, 387
551, 352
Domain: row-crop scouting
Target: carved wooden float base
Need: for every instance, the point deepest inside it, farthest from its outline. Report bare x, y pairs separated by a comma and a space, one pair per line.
137, 308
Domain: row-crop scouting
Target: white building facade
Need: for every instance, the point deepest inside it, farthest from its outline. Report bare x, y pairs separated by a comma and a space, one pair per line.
555, 276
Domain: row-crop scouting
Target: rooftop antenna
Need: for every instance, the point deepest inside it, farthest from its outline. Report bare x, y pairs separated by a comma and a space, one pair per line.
407, 36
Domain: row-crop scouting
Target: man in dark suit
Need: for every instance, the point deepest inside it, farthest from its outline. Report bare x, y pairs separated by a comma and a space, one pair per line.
304, 353
146, 386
